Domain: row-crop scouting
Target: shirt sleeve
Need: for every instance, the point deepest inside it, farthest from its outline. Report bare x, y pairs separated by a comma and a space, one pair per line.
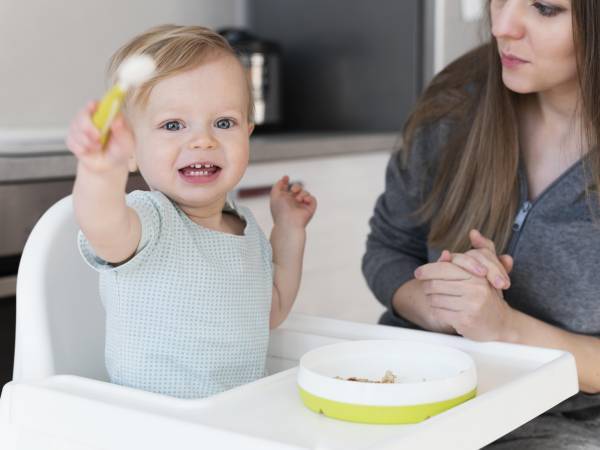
149, 212
397, 242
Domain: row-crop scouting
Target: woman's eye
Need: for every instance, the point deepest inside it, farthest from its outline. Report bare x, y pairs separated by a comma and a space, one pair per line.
224, 123
172, 125
546, 10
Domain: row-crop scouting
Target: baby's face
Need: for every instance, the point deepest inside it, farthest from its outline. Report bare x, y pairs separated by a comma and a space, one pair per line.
192, 137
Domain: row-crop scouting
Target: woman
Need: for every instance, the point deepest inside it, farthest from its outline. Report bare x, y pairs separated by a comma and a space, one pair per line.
503, 144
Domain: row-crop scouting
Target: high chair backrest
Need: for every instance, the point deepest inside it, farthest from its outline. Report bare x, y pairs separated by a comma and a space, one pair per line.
60, 320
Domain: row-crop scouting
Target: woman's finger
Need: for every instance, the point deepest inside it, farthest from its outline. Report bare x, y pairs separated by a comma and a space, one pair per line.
495, 272
469, 263
507, 261
480, 241
441, 271
442, 287
445, 256
446, 303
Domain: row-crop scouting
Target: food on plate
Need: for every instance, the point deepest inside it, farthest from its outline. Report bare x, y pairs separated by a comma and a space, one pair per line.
388, 378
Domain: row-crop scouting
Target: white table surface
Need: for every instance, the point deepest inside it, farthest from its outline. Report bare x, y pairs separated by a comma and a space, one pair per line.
516, 383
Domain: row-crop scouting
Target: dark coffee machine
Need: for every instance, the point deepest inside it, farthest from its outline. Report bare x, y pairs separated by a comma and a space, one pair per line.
262, 59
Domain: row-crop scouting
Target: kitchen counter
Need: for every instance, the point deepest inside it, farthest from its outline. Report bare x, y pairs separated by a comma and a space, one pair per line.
43, 160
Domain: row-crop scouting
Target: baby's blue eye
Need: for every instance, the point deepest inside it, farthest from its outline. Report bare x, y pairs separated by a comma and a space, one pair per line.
224, 123
173, 125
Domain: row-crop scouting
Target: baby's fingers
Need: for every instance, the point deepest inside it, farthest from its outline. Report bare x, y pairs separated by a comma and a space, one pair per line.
76, 146
281, 185
311, 203
83, 135
85, 122
302, 195
296, 189
80, 143
122, 134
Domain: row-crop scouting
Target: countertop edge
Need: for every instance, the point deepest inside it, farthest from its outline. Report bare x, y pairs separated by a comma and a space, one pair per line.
57, 164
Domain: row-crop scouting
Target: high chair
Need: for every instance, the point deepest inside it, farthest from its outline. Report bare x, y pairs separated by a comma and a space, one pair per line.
59, 397
60, 320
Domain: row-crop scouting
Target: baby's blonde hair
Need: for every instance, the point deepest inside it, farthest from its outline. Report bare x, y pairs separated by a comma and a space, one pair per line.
175, 49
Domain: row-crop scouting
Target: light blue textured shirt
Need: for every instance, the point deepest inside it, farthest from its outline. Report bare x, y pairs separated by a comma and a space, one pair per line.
188, 315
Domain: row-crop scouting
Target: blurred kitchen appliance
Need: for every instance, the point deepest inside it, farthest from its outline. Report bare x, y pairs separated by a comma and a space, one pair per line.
348, 65
262, 59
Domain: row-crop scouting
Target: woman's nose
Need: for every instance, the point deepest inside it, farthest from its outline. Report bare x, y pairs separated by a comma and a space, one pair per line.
203, 140
507, 19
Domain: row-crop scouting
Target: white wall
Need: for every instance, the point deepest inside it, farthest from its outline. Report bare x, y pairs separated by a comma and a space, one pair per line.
452, 28
54, 52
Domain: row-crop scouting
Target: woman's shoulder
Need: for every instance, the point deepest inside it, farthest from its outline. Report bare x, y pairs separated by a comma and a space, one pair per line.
425, 147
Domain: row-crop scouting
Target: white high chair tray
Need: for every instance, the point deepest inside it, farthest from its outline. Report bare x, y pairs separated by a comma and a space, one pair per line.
516, 383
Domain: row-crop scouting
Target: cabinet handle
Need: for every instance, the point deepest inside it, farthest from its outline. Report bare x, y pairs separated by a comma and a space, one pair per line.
259, 191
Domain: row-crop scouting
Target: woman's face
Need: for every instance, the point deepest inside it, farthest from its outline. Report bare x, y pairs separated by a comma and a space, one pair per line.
535, 43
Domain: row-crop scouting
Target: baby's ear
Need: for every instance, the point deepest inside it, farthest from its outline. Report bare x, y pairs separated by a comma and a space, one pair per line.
132, 164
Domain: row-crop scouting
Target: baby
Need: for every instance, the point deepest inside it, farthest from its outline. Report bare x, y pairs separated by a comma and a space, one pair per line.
189, 282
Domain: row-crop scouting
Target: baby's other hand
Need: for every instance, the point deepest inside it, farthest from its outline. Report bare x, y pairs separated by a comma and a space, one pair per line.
291, 205
83, 139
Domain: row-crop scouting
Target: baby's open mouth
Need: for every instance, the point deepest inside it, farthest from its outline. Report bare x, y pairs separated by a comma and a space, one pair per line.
200, 170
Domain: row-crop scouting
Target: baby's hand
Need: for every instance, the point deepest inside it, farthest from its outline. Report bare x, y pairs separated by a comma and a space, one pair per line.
291, 206
83, 140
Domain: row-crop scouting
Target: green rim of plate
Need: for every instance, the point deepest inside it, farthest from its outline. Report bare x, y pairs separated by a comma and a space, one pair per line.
380, 414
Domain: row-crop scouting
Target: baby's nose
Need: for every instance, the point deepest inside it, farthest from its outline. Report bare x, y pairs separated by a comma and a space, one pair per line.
203, 141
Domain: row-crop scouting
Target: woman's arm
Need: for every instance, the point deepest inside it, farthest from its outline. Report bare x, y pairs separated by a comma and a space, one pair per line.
397, 242
477, 311
411, 302
524, 329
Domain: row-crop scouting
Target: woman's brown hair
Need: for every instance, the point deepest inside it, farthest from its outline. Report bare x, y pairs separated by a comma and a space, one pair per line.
476, 184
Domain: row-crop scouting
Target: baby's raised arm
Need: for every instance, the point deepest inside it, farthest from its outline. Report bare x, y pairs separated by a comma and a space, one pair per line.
111, 227
292, 208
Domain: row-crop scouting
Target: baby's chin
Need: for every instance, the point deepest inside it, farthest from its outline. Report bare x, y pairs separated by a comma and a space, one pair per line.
197, 198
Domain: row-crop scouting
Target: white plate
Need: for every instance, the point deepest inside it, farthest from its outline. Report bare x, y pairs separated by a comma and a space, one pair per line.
429, 379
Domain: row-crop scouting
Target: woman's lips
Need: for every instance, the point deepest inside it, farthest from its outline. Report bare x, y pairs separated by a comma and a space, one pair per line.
511, 61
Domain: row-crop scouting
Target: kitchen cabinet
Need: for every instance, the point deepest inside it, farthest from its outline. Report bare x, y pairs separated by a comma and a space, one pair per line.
346, 188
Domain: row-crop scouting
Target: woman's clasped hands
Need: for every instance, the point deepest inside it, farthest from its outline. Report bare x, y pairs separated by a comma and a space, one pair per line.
464, 290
